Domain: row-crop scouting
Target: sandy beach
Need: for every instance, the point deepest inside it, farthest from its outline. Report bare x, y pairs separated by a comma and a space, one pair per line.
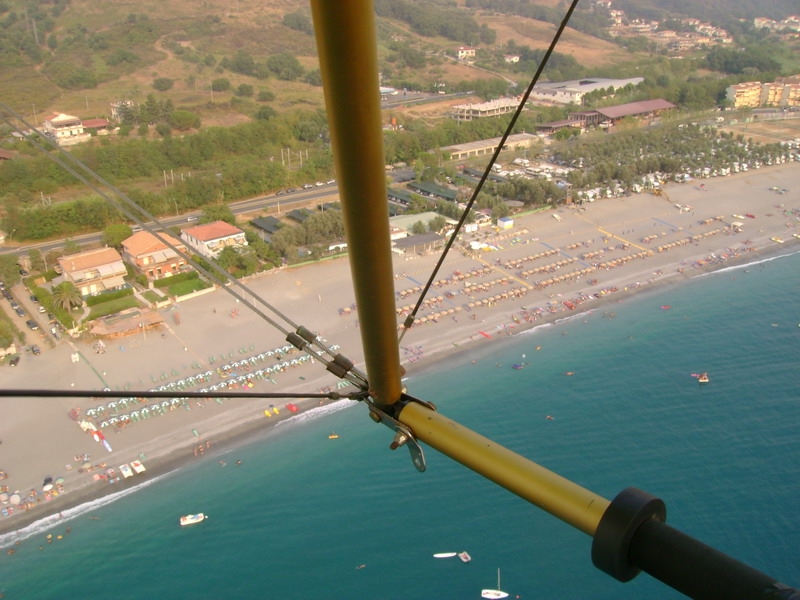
541, 270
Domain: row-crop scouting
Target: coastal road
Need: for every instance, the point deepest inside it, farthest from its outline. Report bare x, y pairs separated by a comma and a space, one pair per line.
282, 201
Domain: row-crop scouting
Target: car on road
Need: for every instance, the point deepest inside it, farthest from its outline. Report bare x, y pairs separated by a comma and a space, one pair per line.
36, 350
190, 219
32, 325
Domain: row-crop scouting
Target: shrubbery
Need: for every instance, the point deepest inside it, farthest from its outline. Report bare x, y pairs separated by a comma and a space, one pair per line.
108, 296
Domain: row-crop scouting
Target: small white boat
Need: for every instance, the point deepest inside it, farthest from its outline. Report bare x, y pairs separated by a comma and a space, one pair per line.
192, 519
126, 471
444, 555
495, 594
464, 556
138, 466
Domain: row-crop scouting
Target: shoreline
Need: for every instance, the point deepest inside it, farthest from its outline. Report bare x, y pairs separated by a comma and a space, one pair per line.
443, 353
240, 434
168, 446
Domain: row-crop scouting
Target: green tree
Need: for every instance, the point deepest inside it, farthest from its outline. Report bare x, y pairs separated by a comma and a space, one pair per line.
245, 90
221, 85
418, 228
66, 296
6, 334
299, 22
285, 66
266, 96
242, 63
115, 234
218, 212
265, 113
183, 120
9, 269
162, 84
438, 223
228, 258
71, 247
37, 260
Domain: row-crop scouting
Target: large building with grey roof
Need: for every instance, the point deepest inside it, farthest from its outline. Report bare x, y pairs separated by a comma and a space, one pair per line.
572, 92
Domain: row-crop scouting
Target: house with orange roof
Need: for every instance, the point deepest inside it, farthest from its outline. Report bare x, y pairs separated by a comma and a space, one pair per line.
152, 257
210, 239
94, 271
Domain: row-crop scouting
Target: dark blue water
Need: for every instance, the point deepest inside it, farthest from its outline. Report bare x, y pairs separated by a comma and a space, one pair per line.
302, 513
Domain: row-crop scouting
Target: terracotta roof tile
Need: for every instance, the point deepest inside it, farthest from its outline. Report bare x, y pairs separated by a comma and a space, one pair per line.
212, 231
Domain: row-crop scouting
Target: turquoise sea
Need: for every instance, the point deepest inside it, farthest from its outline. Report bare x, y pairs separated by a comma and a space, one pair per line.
304, 516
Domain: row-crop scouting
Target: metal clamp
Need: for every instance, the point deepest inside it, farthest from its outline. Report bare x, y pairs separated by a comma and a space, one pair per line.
403, 435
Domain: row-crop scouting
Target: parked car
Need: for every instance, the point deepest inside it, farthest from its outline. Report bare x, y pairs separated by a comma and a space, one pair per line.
14, 361
19, 311
34, 299
32, 325
36, 350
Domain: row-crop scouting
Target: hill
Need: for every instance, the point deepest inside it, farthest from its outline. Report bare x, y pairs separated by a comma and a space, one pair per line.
77, 56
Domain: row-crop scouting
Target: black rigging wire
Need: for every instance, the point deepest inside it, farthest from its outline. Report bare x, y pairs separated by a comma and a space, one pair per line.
412, 316
72, 393
300, 337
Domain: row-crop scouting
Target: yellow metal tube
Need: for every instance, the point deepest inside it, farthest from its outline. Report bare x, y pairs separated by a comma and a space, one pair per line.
560, 497
347, 48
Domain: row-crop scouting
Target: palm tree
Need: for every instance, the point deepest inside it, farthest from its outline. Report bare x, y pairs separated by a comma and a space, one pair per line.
66, 295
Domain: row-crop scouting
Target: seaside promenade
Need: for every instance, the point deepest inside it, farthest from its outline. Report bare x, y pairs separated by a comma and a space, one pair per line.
540, 270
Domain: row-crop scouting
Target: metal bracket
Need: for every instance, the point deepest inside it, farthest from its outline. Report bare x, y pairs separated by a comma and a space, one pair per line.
403, 435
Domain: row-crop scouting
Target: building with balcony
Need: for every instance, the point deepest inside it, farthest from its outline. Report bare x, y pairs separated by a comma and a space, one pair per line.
94, 271
212, 238
152, 257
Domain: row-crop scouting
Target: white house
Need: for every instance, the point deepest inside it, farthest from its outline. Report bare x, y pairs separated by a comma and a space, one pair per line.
66, 130
465, 53
210, 239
